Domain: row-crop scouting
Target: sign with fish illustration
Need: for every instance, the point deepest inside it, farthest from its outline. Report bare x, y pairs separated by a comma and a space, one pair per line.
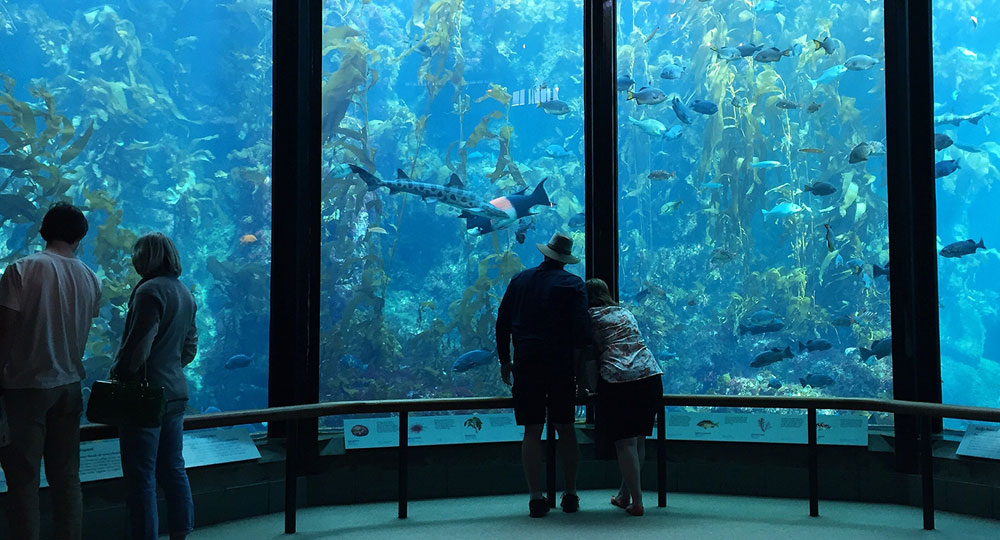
427, 430
766, 427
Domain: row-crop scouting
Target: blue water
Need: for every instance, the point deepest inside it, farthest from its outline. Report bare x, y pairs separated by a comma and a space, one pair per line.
696, 303
964, 56
407, 288
193, 93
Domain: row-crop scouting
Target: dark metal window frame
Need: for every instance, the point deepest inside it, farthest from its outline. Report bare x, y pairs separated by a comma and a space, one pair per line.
909, 88
296, 173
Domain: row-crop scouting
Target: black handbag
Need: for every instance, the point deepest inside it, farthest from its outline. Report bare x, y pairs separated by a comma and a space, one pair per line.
126, 403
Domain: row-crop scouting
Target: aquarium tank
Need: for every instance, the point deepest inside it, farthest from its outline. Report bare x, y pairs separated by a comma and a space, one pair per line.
752, 195
753, 203
453, 144
149, 115
966, 160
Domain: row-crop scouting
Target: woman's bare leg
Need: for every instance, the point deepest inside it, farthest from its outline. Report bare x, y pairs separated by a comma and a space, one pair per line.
630, 464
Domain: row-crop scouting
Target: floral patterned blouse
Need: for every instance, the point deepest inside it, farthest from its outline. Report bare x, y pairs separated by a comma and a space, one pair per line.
624, 357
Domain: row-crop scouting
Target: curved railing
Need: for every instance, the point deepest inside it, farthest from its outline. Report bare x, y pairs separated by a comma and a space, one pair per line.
292, 414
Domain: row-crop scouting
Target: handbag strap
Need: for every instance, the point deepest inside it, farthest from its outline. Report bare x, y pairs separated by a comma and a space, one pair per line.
145, 378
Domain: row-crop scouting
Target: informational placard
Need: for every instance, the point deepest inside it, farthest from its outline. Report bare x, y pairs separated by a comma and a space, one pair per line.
429, 430
981, 440
765, 427
214, 446
101, 460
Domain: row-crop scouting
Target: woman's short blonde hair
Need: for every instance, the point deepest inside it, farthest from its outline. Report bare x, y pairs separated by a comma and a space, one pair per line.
155, 255
598, 294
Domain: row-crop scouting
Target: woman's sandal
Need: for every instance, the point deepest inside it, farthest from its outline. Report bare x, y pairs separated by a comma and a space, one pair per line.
616, 502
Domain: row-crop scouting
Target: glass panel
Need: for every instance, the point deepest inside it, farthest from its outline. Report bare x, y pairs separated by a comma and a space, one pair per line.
967, 156
152, 116
753, 194
487, 94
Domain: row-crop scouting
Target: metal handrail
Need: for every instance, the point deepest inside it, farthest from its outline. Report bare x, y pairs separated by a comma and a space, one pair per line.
315, 410
295, 413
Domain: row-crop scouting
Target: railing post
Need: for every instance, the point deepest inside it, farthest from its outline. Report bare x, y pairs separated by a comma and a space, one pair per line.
404, 446
550, 461
927, 471
661, 457
813, 466
291, 475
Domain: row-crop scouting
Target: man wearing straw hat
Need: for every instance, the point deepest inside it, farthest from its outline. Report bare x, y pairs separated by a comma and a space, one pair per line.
545, 312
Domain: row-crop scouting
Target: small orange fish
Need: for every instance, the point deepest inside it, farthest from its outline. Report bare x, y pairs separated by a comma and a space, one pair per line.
248, 239
811, 150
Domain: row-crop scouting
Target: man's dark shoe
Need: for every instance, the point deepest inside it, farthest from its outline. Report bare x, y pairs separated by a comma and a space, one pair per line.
538, 507
570, 503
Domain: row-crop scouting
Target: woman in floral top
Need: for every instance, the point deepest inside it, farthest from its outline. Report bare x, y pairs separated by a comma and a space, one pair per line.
629, 390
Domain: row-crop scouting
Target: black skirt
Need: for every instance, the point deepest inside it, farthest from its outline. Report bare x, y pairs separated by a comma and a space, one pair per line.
625, 410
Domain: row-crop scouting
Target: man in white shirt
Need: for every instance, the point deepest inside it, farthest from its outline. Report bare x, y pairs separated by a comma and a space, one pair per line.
47, 304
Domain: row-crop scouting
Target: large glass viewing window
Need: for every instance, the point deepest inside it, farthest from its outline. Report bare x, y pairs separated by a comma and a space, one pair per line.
151, 116
967, 156
753, 210
452, 145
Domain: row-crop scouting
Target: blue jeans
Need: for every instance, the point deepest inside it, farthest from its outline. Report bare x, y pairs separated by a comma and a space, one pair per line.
152, 456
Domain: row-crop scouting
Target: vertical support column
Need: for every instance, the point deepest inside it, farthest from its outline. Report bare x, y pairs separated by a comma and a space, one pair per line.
404, 463
927, 471
661, 457
291, 477
293, 367
909, 86
813, 465
601, 140
550, 462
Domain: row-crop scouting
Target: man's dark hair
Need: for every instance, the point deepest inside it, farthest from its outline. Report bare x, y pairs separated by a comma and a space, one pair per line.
64, 222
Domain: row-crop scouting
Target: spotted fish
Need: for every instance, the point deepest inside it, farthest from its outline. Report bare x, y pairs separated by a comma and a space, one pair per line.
453, 193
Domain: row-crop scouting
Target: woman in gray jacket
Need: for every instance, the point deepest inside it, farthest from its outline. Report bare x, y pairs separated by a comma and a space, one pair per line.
160, 338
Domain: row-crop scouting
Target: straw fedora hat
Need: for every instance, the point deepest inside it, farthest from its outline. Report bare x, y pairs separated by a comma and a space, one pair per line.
559, 248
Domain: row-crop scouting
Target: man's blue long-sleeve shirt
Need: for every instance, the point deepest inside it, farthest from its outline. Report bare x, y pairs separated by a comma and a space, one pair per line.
545, 310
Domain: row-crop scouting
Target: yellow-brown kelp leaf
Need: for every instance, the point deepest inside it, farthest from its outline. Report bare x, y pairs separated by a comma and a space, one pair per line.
339, 33
27, 118
338, 89
17, 163
850, 195
70, 153
482, 131
496, 92
21, 114
8, 83
334, 37
50, 102
361, 154
11, 137
458, 73
99, 200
